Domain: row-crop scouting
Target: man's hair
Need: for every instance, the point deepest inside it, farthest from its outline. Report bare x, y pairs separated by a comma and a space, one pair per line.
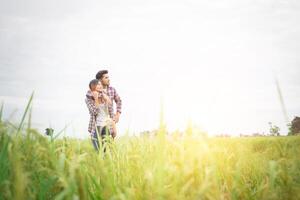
93, 83
100, 74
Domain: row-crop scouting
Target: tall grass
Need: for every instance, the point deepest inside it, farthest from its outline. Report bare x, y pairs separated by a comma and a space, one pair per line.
188, 167
1, 111
167, 167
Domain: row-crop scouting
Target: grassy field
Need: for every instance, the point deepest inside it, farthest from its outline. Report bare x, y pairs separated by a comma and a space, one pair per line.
189, 167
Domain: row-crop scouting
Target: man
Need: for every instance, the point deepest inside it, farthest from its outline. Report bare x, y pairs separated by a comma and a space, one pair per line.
103, 77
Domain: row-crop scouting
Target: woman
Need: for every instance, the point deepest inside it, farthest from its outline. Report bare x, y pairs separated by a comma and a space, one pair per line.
97, 102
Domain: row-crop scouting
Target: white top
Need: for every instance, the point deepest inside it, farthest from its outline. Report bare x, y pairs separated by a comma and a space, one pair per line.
102, 118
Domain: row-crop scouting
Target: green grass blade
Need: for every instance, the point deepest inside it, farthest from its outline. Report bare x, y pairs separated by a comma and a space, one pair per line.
60, 132
29, 119
25, 112
283, 107
1, 111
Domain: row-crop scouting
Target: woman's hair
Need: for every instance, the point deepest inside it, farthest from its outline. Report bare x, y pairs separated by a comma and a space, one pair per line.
93, 83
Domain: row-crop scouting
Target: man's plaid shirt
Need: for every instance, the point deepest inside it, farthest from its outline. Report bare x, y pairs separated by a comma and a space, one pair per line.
93, 110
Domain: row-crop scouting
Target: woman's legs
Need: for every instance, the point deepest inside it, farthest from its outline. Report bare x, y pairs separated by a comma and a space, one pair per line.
95, 140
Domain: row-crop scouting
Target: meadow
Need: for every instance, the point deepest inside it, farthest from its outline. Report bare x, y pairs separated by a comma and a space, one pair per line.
174, 166
189, 166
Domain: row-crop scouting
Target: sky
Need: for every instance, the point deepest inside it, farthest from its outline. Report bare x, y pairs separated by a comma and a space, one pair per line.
209, 62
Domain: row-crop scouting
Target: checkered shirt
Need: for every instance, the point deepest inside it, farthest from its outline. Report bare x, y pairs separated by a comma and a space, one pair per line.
93, 110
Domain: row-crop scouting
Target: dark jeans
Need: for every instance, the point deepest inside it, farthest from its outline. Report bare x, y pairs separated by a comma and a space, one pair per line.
102, 132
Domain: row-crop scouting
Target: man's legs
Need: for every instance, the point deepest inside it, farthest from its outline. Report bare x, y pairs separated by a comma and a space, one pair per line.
104, 134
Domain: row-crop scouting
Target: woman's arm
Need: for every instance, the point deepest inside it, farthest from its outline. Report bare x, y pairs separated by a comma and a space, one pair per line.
93, 108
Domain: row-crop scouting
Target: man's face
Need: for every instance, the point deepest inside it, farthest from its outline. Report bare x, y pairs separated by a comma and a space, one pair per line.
105, 80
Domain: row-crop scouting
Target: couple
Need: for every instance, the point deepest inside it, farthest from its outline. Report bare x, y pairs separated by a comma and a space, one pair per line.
99, 100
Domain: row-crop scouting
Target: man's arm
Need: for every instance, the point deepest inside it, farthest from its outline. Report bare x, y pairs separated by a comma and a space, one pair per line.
118, 101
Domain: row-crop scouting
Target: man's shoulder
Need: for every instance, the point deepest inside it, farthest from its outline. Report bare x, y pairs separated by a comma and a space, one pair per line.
110, 88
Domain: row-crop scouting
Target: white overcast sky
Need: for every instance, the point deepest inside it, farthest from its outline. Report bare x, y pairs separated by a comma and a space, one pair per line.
210, 61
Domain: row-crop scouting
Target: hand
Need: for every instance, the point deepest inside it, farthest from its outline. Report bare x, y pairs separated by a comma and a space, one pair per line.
114, 129
104, 96
106, 99
95, 94
116, 117
113, 134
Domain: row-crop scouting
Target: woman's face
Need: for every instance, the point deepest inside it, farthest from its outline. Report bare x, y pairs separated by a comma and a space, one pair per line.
99, 87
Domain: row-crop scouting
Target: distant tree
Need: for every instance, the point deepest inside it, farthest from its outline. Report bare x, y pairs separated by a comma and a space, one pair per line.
274, 130
49, 132
294, 126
